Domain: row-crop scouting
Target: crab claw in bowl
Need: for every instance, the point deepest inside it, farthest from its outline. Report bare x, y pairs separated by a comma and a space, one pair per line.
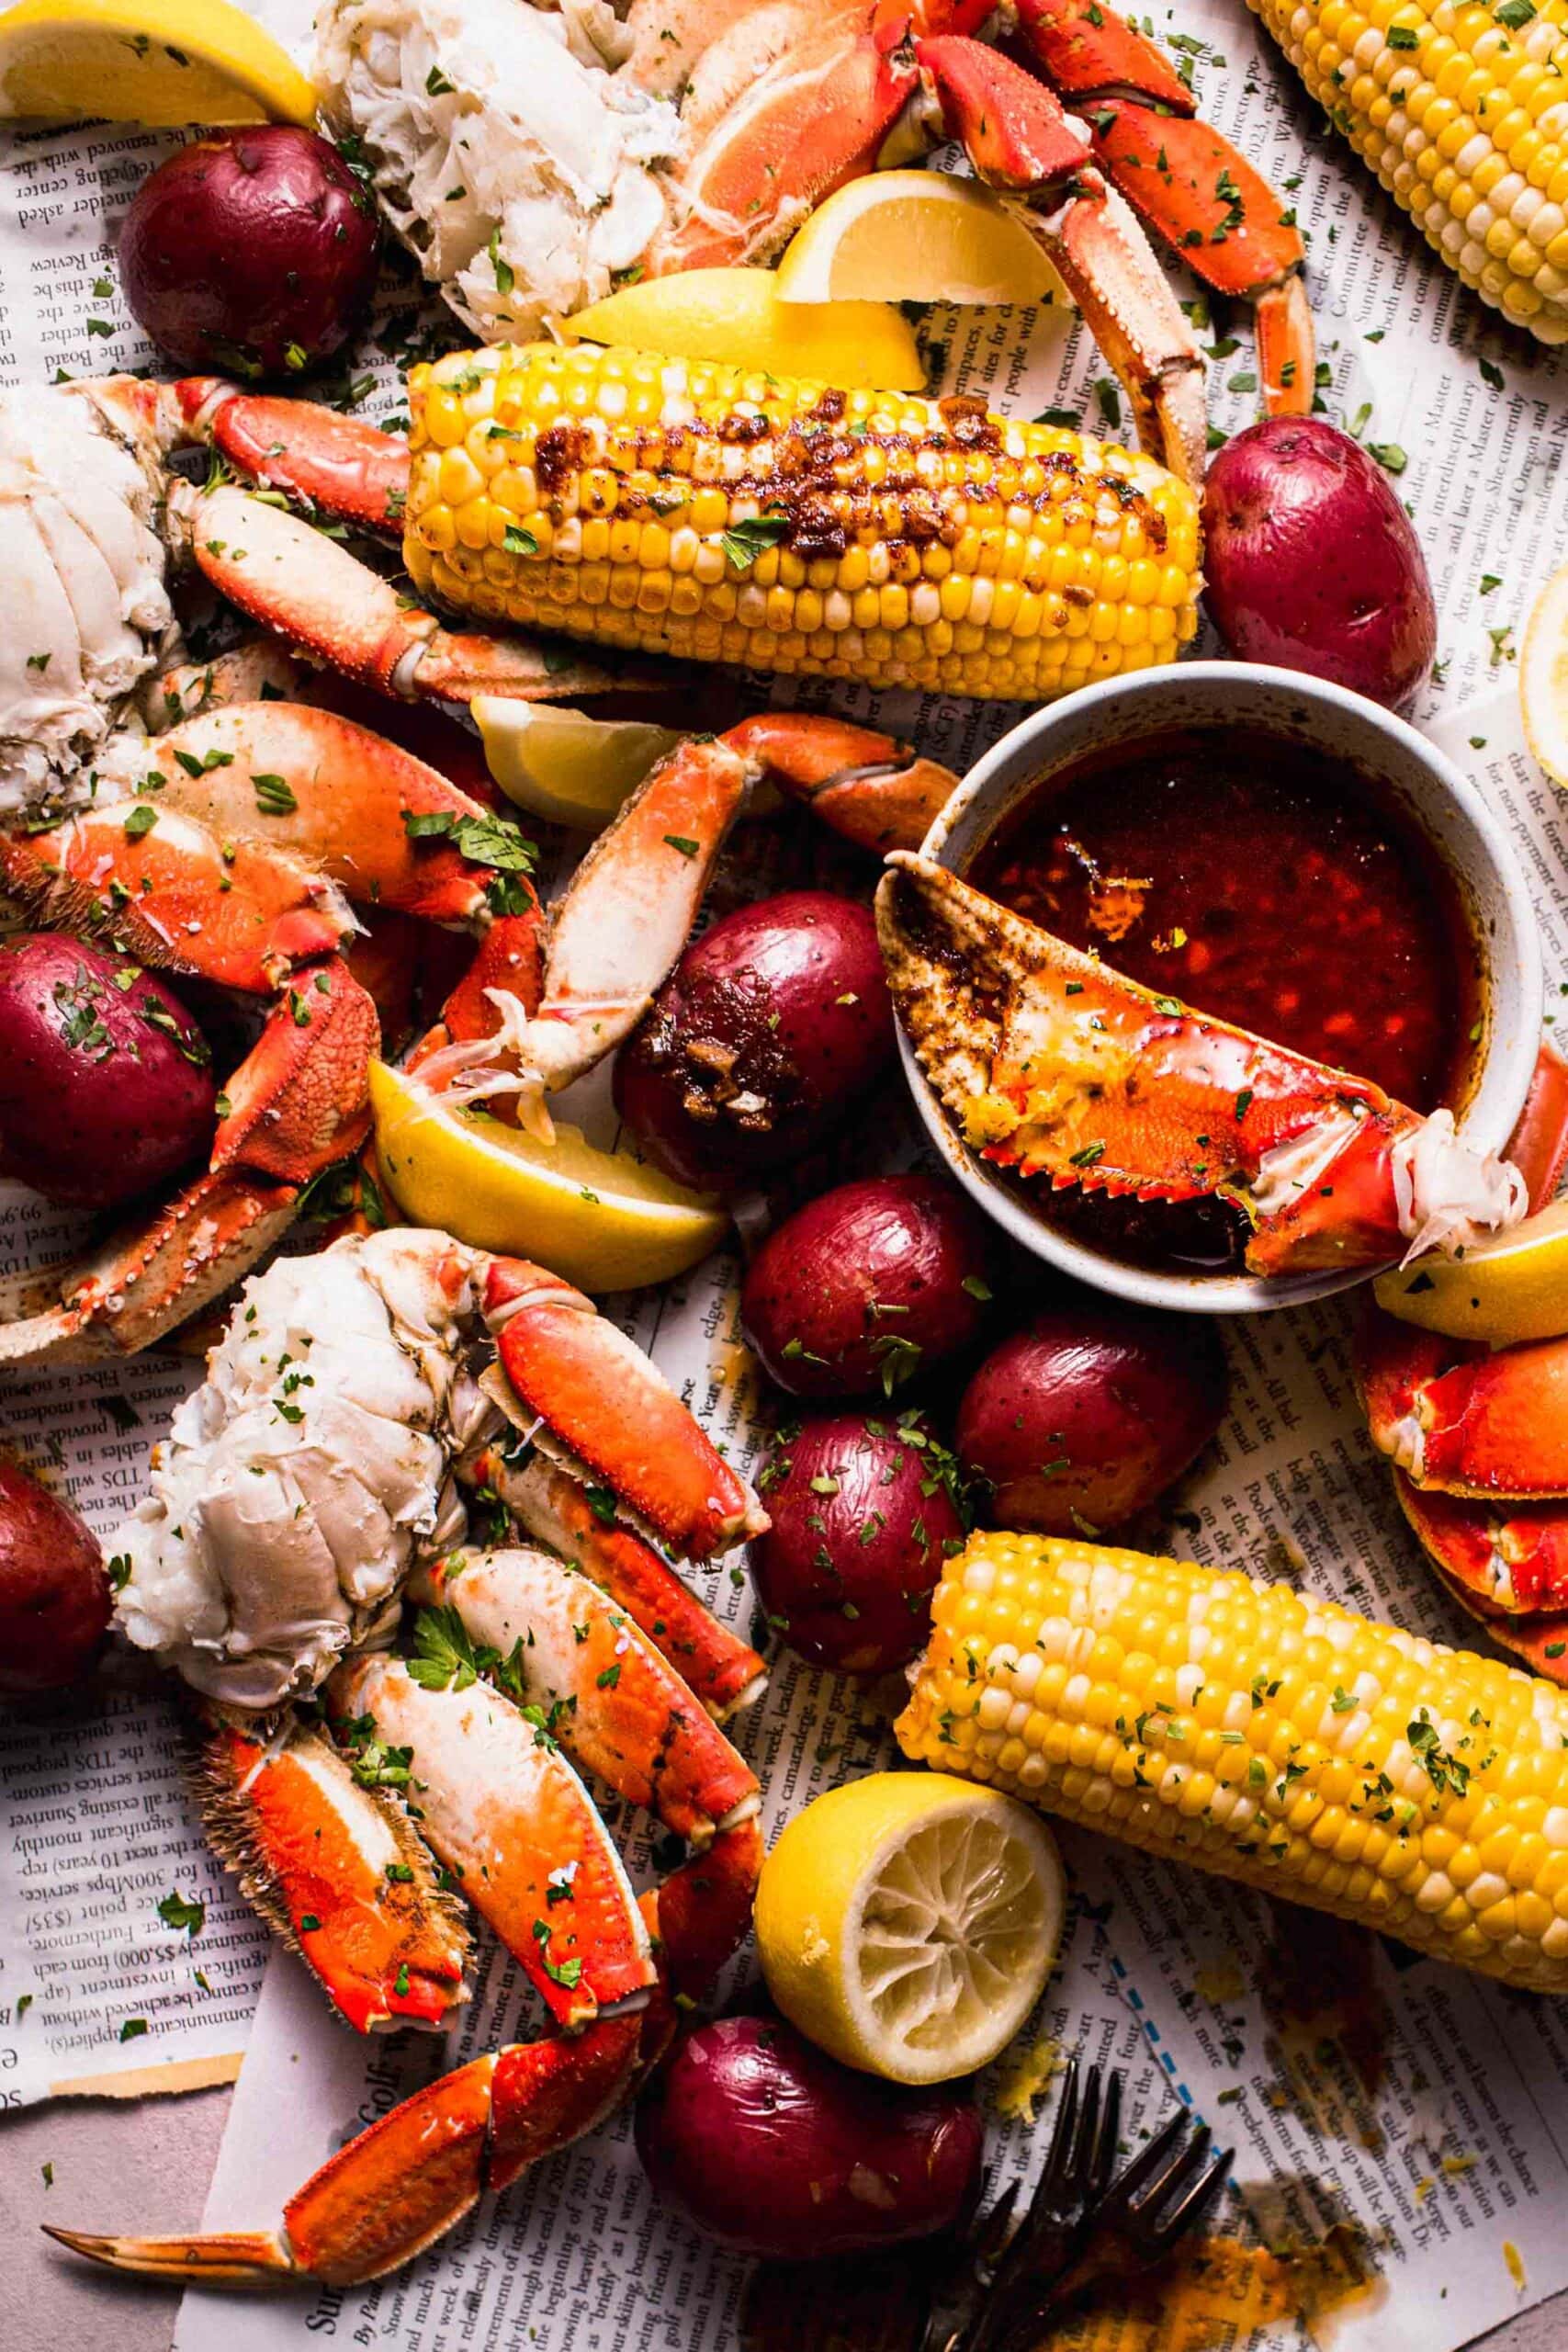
1050, 1064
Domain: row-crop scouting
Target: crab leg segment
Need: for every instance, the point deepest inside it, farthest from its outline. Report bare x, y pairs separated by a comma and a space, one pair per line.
1187, 181
1052, 1064
606, 1693
335, 1870
503, 1811
281, 572
382, 824
868, 787
719, 1668
571, 1378
1039, 160
1460, 1418
341, 465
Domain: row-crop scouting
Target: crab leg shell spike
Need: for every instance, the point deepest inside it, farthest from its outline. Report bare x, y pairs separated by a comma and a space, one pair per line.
625, 1714
506, 1816
870, 787
594, 1391
345, 467
725, 1672
177, 897
313, 1849
281, 572
332, 793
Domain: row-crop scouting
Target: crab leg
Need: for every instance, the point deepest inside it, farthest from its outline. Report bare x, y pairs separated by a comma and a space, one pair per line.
314, 1845
1055, 1064
719, 1668
607, 1695
1183, 177
1039, 160
567, 1378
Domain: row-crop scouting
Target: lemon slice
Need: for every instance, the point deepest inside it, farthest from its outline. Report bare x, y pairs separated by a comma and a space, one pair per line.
561, 764
915, 237
162, 63
1543, 677
1512, 1287
602, 1219
734, 316
908, 1922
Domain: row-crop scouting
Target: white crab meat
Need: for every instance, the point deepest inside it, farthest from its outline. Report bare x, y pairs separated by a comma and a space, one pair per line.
83, 611
512, 151
311, 1472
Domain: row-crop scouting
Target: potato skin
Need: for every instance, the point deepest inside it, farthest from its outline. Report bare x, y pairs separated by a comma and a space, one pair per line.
868, 1286
776, 2149
1086, 1416
1312, 562
55, 1592
106, 1081
251, 252
772, 1028
863, 1521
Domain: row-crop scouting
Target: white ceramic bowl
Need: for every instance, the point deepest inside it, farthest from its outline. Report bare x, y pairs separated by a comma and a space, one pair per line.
1426, 789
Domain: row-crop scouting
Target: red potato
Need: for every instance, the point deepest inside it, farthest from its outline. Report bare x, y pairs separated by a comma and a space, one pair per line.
863, 1514
868, 1285
1312, 562
54, 1593
251, 252
772, 1028
106, 1082
774, 2149
1086, 1416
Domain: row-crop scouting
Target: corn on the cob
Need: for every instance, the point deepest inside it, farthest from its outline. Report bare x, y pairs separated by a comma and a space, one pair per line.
725, 515
1264, 1734
1463, 113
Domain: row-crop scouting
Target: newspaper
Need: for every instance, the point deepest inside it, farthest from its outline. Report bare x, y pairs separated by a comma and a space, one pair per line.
1402, 2131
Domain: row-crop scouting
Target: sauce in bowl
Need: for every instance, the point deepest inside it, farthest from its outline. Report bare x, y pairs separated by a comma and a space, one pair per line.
1265, 884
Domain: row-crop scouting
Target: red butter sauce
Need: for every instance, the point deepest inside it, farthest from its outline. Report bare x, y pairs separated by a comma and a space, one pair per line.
1259, 882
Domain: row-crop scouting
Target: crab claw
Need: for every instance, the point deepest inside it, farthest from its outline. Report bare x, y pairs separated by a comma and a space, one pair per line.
1054, 1064
1039, 159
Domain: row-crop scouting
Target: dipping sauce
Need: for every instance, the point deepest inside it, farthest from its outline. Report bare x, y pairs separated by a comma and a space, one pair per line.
1264, 884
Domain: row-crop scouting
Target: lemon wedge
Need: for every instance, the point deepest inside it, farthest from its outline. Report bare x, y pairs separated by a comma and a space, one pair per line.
1543, 677
602, 1219
915, 237
1512, 1287
162, 63
907, 1923
735, 317
558, 763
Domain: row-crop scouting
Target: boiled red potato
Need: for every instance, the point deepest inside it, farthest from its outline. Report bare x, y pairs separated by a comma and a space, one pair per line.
1312, 562
772, 1027
54, 1593
1085, 1416
864, 1513
250, 253
774, 2149
867, 1286
106, 1082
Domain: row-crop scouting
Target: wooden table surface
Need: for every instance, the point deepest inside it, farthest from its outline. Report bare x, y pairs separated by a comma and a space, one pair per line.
149, 2161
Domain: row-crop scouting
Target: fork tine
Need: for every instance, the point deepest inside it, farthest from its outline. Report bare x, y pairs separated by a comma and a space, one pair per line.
1048, 2186
1182, 2169
1102, 2159
1196, 2202
1146, 2163
1085, 2138
990, 2233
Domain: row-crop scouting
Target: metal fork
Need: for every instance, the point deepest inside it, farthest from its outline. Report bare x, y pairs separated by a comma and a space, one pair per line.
1080, 2227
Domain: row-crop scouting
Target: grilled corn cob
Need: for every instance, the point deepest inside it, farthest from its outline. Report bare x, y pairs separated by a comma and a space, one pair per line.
731, 517
1263, 1734
1463, 113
